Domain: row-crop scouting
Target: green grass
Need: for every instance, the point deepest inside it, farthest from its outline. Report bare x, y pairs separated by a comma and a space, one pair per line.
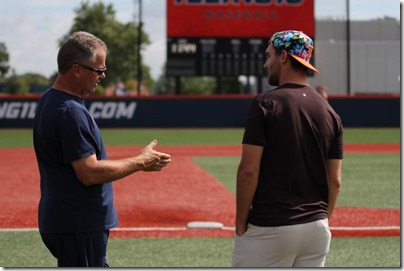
25, 249
369, 180
173, 136
372, 135
11, 138
365, 252
171, 252
224, 168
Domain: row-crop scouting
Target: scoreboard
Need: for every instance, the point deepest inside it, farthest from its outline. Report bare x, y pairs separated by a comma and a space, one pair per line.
215, 56
228, 37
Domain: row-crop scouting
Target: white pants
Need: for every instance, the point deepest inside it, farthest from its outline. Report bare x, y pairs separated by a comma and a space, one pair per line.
303, 245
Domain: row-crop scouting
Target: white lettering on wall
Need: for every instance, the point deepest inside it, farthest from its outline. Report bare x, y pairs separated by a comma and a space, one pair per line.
112, 110
17, 110
99, 110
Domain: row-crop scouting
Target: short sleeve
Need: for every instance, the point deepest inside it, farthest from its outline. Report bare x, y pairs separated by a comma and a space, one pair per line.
337, 146
75, 135
256, 124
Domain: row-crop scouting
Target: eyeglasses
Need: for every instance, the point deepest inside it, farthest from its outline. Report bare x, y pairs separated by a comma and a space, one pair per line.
98, 71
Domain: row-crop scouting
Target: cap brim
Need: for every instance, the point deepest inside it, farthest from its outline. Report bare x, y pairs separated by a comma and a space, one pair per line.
305, 63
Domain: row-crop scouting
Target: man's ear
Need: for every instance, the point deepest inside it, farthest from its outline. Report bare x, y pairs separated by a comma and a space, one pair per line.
75, 69
284, 56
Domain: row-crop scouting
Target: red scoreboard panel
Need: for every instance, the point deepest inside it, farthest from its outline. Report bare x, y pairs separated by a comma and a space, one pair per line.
228, 37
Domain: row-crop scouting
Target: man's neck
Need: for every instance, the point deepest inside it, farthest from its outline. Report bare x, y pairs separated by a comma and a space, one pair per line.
291, 76
63, 84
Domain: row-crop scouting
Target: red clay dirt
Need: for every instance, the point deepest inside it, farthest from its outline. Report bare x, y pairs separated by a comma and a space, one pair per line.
161, 204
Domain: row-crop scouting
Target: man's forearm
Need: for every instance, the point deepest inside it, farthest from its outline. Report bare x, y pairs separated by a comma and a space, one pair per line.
334, 168
246, 186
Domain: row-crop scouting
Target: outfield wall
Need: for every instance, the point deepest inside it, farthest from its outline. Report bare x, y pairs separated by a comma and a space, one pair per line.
197, 111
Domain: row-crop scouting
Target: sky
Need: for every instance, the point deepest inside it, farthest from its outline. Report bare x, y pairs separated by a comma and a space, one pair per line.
31, 29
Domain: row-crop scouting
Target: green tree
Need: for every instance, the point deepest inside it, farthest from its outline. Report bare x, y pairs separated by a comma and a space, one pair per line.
27, 83
189, 85
231, 85
121, 39
197, 85
4, 57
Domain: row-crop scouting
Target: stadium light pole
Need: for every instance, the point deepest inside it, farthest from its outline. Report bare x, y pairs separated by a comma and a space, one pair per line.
139, 45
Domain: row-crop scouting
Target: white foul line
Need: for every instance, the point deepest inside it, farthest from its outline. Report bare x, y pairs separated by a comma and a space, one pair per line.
136, 229
376, 228
150, 229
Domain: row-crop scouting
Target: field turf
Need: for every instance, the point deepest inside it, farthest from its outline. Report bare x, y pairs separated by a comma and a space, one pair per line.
369, 180
12, 138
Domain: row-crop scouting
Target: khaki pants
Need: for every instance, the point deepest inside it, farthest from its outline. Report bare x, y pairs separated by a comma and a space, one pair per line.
303, 245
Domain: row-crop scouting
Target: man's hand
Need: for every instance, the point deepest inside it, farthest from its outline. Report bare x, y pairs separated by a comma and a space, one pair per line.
153, 160
241, 229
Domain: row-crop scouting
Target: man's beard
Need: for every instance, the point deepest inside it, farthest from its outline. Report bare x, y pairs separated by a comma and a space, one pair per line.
273, 80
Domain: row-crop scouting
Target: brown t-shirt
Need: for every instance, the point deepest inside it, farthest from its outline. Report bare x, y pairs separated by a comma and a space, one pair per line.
299, 131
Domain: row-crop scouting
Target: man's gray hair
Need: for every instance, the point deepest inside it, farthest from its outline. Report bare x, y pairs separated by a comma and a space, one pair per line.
80, 47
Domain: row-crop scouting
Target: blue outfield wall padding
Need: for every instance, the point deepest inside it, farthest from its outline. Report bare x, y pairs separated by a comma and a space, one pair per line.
368, 112
189, 113
193, 112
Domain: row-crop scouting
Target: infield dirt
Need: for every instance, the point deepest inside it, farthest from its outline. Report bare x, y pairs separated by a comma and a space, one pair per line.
161, 204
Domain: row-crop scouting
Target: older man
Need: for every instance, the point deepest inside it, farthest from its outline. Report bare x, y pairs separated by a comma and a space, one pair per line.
76, 209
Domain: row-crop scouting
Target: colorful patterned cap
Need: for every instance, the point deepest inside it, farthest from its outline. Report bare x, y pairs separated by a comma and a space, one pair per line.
296, 43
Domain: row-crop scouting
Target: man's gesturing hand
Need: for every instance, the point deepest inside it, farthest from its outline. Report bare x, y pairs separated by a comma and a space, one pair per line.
153, 160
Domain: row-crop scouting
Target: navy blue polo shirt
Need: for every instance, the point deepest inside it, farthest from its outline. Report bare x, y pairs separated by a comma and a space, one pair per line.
63, 132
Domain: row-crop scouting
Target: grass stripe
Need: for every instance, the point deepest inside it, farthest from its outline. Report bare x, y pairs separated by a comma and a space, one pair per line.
11, 138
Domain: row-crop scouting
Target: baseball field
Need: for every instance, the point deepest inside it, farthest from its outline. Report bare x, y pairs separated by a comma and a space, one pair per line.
199, 185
